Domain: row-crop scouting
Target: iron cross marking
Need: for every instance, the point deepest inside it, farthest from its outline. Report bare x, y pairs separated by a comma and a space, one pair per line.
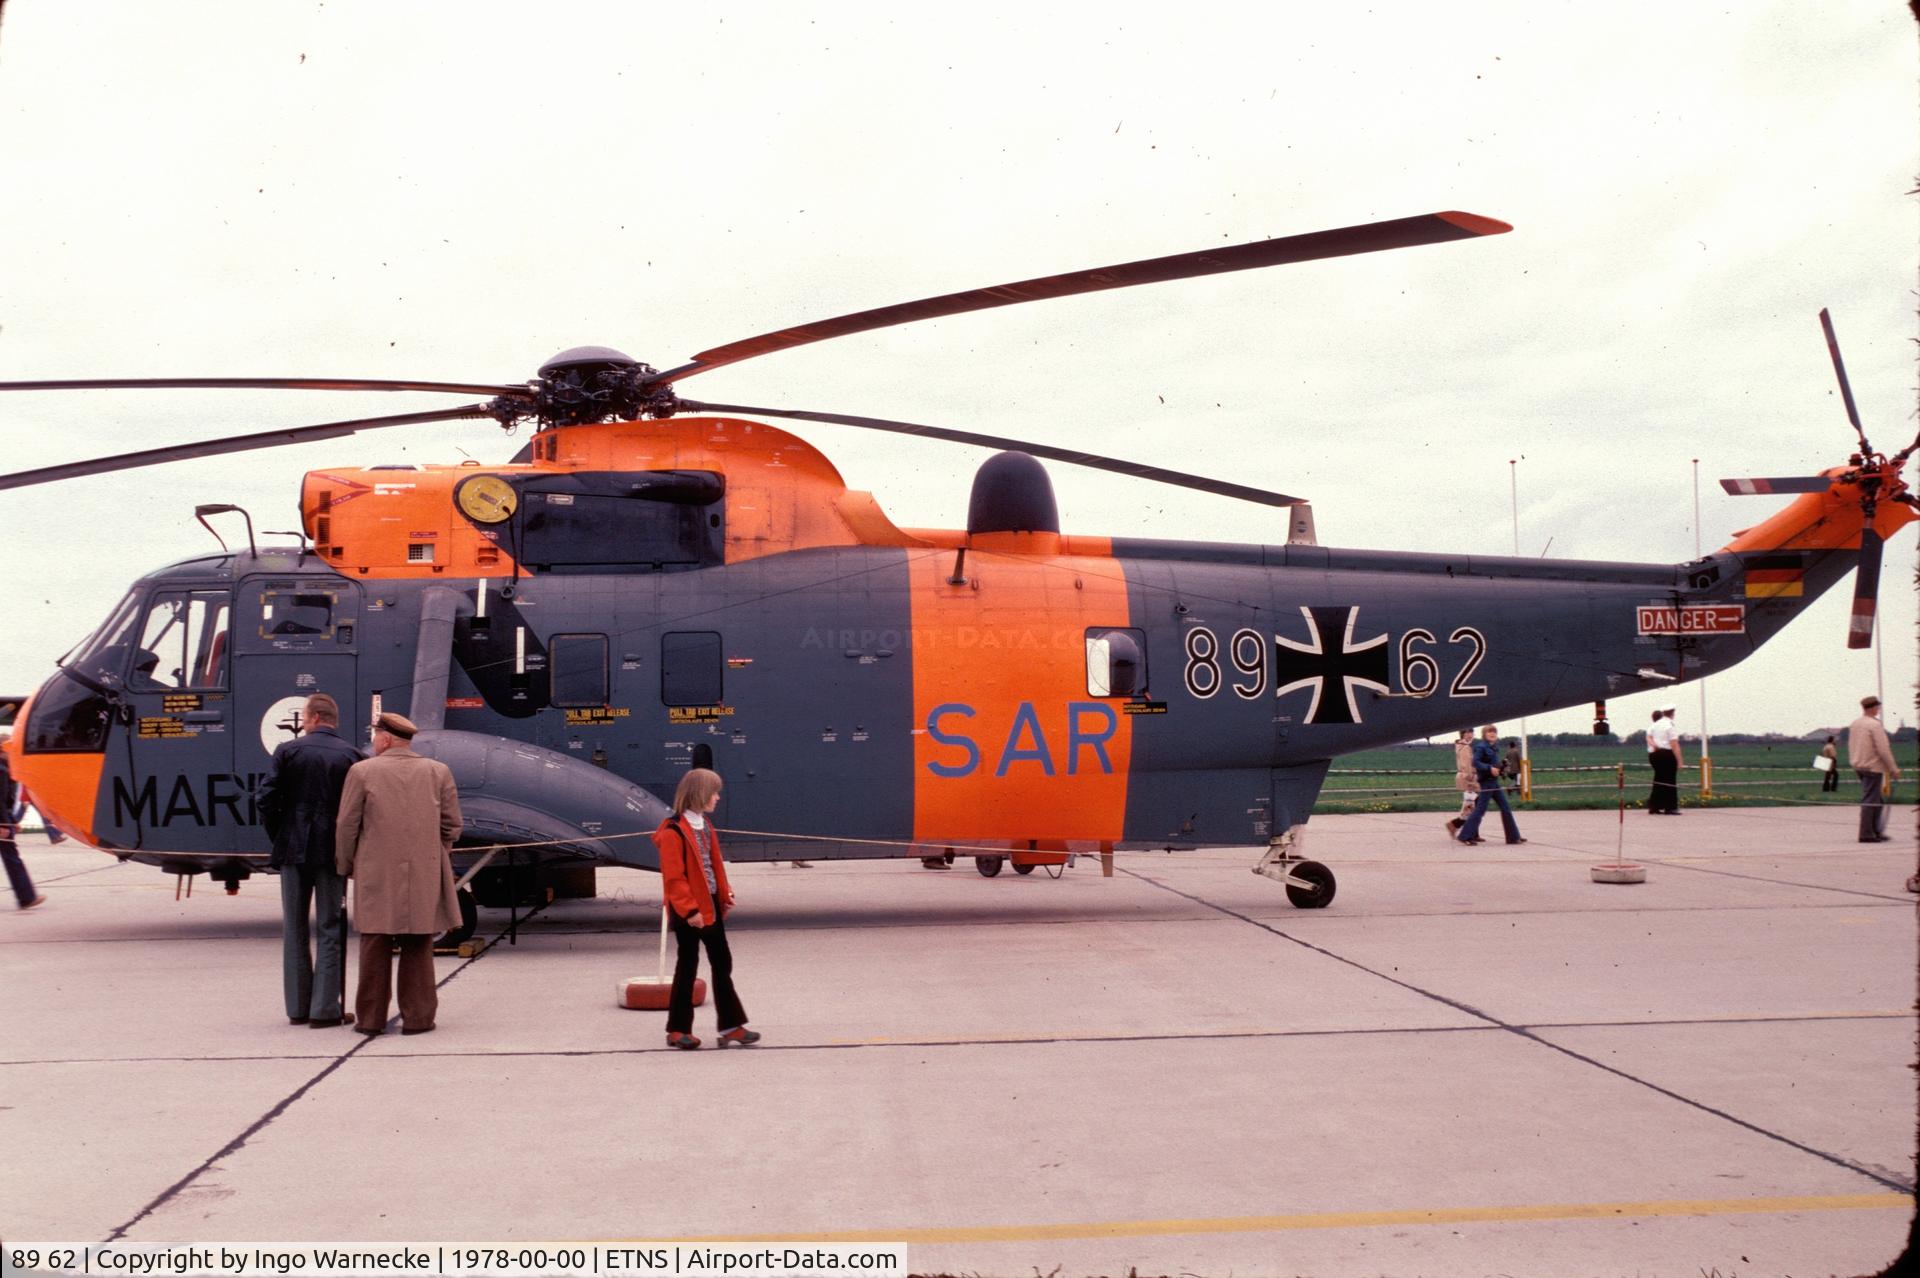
1342, 668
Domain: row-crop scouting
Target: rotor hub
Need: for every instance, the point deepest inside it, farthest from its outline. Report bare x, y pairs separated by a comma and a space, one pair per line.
586, 384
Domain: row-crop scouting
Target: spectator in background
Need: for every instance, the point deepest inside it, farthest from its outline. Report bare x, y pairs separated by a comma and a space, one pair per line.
1871, 754
1663, 754
1512, 763
23, 889
1830, 779
1486, 770
1463, 781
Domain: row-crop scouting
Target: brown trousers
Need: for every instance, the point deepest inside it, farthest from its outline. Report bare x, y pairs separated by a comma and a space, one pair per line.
419, 1001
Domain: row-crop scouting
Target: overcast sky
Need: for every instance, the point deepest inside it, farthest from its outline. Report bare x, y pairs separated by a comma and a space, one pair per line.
457, 191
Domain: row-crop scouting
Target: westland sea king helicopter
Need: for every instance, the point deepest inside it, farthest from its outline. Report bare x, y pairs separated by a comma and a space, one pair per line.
655, 583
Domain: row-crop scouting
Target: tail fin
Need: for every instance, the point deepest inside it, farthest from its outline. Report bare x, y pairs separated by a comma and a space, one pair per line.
1832, 518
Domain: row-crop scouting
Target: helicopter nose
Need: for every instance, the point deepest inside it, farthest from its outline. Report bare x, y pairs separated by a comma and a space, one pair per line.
62, 786
13, 723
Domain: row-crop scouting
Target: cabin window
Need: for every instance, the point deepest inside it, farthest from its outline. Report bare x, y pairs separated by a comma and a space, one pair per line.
288, 614
583, 531
1116, 662
183, 643
690, 668
579, 667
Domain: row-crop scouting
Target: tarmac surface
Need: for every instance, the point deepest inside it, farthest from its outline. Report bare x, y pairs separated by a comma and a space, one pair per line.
1475, 1061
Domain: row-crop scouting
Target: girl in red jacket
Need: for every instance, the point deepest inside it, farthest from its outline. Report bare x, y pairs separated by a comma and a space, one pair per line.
694, 878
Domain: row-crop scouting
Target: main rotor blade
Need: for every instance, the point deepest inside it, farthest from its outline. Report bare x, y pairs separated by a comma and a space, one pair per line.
1137, 470
230, 444
1792, 484
1866, 591
265, 383
1846, 387
1373, 237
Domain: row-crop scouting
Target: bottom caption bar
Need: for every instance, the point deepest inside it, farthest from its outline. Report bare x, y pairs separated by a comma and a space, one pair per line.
456, 1260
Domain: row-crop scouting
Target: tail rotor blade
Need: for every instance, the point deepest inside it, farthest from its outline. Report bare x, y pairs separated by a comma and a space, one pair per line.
1790, 484
1846, 387
1866, 591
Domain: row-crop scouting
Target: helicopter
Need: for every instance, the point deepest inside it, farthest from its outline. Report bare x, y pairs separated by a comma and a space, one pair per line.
656, 583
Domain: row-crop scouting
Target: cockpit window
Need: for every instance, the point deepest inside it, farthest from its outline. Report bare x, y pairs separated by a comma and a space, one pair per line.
183, 642
101, 656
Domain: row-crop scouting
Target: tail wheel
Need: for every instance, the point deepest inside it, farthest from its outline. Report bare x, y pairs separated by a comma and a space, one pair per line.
988, 865
1319, 891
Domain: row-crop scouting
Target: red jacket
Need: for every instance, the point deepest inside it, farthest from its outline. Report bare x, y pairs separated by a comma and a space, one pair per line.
680, 877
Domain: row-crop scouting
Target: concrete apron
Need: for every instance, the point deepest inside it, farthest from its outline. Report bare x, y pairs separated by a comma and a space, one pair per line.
1476, 1060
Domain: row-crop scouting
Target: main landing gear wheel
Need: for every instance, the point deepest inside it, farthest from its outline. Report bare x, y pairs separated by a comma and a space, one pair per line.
1320, 887
989, 865
1022, 868
469, 921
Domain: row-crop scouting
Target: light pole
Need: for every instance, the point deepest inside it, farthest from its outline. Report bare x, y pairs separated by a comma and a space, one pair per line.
1526, 759
1706, 749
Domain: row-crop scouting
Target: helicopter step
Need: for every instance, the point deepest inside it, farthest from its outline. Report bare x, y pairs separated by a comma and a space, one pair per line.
1310, 885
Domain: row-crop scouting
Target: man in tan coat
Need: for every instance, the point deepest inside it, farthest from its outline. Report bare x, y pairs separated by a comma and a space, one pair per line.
1871, 754
399, 816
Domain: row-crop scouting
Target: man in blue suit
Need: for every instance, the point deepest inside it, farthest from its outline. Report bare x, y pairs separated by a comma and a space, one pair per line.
1487, 770
298, 802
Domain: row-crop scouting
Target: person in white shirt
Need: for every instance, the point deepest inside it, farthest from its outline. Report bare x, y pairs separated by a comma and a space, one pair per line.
1663, 754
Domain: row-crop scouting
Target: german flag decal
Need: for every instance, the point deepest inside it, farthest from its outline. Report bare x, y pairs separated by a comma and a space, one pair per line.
1775, 575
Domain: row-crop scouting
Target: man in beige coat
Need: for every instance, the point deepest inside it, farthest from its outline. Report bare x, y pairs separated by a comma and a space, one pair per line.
399, 816
1871, 754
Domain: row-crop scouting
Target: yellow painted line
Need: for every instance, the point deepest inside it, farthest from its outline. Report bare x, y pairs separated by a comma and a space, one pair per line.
1292, 1031
1338, 1220
1099, 1036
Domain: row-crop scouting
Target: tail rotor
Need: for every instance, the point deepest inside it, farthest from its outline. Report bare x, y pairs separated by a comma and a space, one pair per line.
1876, 478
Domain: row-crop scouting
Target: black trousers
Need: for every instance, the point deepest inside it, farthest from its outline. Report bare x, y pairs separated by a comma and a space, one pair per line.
17, 875
1665, 796
726, 1004
1830, 779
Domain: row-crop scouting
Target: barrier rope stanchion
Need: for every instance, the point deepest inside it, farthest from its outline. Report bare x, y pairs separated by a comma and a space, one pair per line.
1619, 870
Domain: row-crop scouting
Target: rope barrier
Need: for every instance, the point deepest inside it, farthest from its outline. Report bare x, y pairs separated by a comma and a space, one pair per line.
783, 835
1326, 796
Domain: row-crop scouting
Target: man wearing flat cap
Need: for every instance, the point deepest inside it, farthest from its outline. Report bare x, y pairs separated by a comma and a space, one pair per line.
399, 816
1871, 755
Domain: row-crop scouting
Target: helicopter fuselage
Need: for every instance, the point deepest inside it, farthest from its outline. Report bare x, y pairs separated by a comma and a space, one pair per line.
577, 631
